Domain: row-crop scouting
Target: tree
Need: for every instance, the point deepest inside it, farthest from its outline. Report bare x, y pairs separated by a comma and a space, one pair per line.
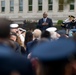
66, 1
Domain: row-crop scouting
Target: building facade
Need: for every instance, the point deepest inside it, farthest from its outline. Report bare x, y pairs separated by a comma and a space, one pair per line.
19, 10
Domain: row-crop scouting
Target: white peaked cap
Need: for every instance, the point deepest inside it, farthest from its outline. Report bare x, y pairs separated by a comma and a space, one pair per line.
51, 29
14, 25
22, 29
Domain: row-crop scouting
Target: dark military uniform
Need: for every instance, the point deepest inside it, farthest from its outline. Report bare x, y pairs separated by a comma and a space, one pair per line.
54, 56
13, 62
69, 23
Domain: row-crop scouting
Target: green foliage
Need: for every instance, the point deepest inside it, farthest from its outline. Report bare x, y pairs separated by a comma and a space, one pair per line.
58, 25
30, 26
59, 22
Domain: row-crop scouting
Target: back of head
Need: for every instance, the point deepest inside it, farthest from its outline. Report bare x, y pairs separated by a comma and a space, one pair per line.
45, 34
37, 33
28, 37
53, 33
12, 62
5, 27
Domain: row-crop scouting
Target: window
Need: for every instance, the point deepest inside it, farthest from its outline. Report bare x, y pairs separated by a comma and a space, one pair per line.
11, 5
50, 4
30, 5
2, 6
39, 5
61, 5
72, 5
20, 5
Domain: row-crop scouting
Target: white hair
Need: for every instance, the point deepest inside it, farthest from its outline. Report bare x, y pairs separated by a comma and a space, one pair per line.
37, 33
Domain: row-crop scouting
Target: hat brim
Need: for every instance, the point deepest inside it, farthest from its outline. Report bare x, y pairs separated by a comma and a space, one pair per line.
51, 29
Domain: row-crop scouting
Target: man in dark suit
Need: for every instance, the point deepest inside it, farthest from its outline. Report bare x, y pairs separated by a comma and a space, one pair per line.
36, 38
45, 22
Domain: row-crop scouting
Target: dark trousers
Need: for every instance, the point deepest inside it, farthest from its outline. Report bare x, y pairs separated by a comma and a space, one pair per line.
69, 25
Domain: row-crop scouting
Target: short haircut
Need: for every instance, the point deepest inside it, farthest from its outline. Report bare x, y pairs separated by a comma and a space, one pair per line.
37, 33
54, 67
5, 27
45, 13
45, 34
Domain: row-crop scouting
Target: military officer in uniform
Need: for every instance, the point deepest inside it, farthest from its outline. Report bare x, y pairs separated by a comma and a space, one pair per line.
54, 58
69, 23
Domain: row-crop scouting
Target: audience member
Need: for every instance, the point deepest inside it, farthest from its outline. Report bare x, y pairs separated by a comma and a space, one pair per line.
24, 24
14, 27
34, 42
21, 34
69, 23
13, 36
54, 58
62, 34
37, 34
53, 34
28, 37
45, 35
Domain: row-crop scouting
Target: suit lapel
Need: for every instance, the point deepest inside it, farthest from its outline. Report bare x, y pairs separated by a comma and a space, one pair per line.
47, 20
42, 20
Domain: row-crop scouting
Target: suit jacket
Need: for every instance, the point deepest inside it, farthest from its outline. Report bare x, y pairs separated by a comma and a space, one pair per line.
31, 45
42, 27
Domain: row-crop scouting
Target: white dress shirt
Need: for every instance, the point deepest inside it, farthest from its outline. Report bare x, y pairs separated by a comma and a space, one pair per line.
44, 19
66, 21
